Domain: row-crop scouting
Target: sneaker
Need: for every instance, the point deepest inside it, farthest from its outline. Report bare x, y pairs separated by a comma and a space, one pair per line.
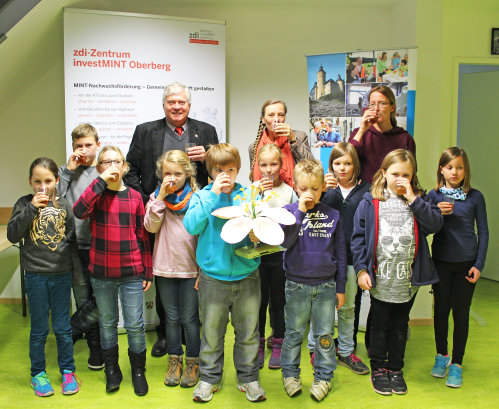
455, 377
70, 383
292, 385
320, 389
440, 367
397, 382
261, 353
41, 385
381, 382
203, 392
254, 391
353, 362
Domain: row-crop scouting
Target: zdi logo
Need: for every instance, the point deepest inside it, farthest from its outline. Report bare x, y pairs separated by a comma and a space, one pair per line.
194, 35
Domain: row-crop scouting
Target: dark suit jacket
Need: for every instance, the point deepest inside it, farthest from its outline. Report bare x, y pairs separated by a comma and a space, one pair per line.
147, 146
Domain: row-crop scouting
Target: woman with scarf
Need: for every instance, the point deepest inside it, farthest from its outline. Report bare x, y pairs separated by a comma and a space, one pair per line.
294, 145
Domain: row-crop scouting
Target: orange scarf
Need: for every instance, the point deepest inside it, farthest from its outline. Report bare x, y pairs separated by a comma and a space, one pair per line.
288, 163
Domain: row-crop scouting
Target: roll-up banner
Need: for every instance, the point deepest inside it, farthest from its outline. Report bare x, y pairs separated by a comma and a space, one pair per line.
117, 64
339, 86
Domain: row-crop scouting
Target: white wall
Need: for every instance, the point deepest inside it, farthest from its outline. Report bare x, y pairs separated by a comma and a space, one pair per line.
266, 48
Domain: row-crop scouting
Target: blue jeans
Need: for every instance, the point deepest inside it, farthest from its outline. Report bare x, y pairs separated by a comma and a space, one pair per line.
242, 300
131, 299
180, 300
50, 293
315, 303
346, 318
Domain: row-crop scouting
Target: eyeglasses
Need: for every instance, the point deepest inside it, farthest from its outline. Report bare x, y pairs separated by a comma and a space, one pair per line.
107, 163
381, 104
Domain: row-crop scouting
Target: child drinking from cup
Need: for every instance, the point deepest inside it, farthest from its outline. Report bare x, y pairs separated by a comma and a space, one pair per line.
174, 263
344, 193
391, 258
272, 276
75, 177
315, 265
120, 264
229, 285
45, 223
459, 255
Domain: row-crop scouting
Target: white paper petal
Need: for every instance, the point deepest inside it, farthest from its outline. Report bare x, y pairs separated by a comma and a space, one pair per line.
228, 212
279, 215
236, 229
267, 231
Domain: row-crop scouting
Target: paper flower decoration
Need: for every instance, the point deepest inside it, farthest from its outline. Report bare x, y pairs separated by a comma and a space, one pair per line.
254, 215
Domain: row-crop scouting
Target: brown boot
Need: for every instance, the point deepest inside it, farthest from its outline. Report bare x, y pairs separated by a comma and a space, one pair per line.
174, 370
191, 373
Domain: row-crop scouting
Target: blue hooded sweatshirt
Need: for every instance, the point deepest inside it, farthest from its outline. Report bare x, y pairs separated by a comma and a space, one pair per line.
316, 250
215, 257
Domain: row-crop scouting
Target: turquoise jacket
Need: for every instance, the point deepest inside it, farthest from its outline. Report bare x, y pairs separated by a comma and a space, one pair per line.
215, 257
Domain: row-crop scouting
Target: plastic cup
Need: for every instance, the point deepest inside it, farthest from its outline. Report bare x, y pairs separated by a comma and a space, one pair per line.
451, 201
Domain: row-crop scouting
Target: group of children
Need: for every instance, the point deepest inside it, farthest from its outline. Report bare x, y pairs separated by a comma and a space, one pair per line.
347, 232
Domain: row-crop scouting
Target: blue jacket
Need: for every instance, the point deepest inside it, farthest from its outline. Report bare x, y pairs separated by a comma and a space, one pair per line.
347, 208
215, 257
457, 241
427, 220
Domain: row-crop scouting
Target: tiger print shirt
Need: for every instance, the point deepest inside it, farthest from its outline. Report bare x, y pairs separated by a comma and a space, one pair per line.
48, 233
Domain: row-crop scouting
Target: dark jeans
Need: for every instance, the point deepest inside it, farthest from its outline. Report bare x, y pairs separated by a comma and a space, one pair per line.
82, 289
130, 293
50, 293
389, 324
273, 279
454, 292
180, 299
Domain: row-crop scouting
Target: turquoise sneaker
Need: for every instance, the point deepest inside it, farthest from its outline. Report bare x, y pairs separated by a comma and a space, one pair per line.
455, 378
41, 385
70, 383
440, 367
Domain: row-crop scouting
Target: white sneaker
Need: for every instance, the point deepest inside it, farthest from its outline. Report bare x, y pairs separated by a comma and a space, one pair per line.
292, 385
203, 392
320, 389
254, 391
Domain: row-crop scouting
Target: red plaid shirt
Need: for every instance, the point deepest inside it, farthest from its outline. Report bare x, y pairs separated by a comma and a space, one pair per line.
119, 247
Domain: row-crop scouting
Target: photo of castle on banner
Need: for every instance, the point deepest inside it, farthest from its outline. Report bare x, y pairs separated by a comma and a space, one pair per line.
326, 85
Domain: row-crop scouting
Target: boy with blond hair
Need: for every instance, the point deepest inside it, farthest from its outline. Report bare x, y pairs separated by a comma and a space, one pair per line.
228, 284
75, 177
315, 263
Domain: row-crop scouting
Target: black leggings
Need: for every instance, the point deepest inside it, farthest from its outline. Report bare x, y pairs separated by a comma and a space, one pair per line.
273, 279
454, 292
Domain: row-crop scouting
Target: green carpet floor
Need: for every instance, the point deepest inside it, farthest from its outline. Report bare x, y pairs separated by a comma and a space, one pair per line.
480, 389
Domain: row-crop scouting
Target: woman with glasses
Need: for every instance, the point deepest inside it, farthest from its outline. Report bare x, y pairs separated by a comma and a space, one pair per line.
378, 133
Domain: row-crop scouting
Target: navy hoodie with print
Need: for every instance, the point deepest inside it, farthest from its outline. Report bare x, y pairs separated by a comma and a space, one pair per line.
316, 250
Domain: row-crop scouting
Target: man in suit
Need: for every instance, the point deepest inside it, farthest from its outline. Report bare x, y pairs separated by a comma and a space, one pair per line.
149, 141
